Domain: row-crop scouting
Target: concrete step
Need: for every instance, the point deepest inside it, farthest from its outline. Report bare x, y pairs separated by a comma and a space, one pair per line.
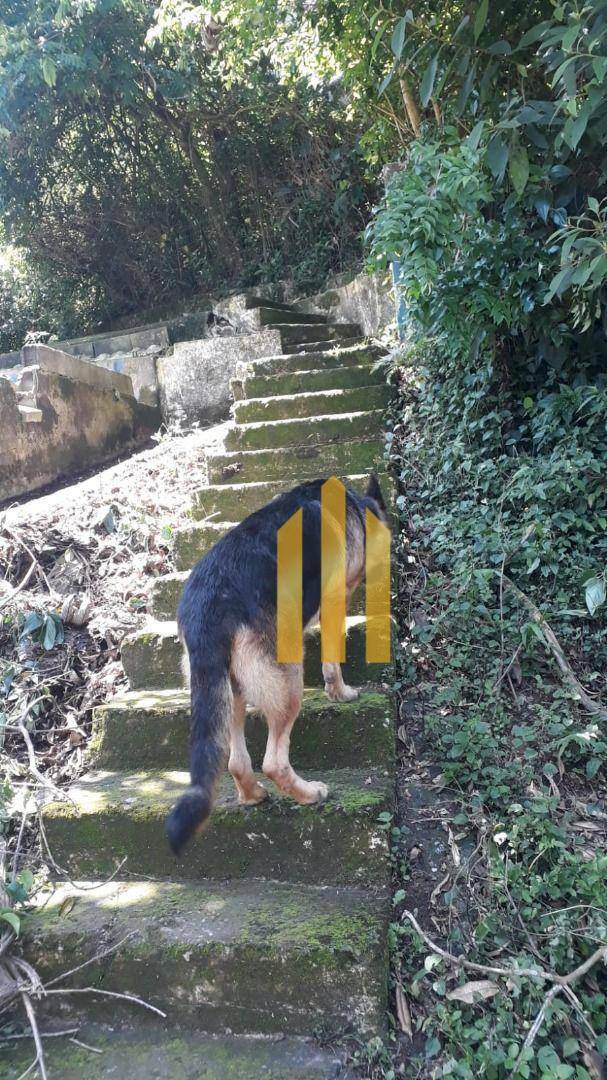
305, 431
247, 957
190, 544
301, 463
322, 346
30, 414
296, 334
165, 592
332, 356
113, 816
266, 315
233, 502
151, 657
142, 1053
317, 403
306, 382
150, 729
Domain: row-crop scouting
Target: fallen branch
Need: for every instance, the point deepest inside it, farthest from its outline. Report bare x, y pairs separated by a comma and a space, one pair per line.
591, 706
512, 972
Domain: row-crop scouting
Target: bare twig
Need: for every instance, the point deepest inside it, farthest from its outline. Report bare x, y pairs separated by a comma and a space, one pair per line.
14, 536
14, 592
31, 1015
537, 1023
42, 1034
87, 1046
98, 956
109, 993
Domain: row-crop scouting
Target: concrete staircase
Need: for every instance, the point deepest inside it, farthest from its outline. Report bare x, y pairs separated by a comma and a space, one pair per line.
274, 923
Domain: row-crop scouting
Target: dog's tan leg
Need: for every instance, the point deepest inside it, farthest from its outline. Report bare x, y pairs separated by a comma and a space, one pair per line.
276, 764
250, 791
335, 686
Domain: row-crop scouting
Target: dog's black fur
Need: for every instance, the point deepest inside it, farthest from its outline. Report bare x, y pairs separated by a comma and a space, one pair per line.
233, 586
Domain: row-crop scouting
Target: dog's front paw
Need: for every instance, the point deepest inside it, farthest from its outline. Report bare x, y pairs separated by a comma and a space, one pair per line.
343, 693
320, 789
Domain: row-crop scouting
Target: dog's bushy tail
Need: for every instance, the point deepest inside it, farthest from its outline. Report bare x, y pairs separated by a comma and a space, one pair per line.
211, 708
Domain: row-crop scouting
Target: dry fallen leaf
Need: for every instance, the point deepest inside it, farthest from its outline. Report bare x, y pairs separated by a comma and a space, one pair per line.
471, 992
403, 1012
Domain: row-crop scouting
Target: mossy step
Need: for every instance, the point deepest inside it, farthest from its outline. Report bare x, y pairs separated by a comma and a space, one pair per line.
116, 816
191, 542
165, 591
316, 403
307, 431
248, 957
334, 356
234, 502
294, 334
150, 729
301, 463
321, 346
151, 657
143, 1053
306, 381
266, 315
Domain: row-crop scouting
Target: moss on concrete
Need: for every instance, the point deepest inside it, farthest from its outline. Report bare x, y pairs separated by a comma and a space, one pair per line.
301, 463
152, 658
312, 403
308, 430
299, 382
116, 815
150, 729
319, 954
193, 541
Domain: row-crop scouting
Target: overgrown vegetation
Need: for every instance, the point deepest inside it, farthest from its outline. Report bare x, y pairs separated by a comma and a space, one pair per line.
499, 443
149, 156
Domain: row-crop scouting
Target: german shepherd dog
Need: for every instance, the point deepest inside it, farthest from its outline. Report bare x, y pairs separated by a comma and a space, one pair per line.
227, 625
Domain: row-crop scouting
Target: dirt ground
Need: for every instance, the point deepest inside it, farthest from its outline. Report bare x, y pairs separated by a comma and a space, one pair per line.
79, 561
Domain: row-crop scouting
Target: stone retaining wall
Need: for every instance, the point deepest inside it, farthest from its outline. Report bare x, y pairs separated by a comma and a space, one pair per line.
62, 418
194, 381
367, 299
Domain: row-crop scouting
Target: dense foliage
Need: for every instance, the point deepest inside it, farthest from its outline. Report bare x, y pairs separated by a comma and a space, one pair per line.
499, 441
144, 159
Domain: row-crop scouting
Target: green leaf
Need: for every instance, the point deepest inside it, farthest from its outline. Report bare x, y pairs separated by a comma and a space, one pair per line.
428, 81
574, 129
50, 634
33, 622
518, 168
398, 37
593, 204
570, 1047
595, 594
480, 18
497, 156
592, 768
474, 137
12, 919
49, 71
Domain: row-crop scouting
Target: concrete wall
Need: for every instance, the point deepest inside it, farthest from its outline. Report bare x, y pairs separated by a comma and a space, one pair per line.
367, 299
55, 425
194, 382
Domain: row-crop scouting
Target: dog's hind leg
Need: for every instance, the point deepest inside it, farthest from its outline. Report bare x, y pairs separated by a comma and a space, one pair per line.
250, 791
335, 686
281, 714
